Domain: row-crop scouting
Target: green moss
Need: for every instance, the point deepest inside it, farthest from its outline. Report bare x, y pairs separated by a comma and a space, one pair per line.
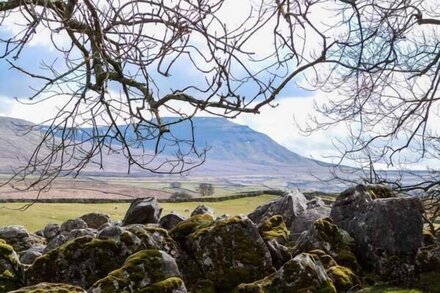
326, 260
274, 228
184, 228
343, 278
166, 286
204, 286
10, 273
429, 282
50, 288
380, 191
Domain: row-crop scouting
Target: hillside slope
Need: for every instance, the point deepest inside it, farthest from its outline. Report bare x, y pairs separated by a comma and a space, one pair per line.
234, 149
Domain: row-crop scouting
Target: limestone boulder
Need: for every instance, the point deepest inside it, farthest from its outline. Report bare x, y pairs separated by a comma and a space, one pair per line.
95, 220
171, 220
73, 224
316, 209
142, 211
81, 262
289, 207
50, 231
203, 210
387, 229
301, 274
144, 271
19, 238
229, 252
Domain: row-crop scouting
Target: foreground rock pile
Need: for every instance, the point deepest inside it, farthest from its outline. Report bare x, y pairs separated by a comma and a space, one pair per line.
287, 245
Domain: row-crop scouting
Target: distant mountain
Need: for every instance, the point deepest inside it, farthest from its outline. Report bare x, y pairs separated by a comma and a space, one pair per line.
234, 149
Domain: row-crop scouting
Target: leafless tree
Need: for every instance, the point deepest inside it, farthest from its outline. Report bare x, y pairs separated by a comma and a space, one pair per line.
127, 64
205, 189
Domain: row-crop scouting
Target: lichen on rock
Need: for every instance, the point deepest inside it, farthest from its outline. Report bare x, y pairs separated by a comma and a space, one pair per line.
145, 271
10, 270
50, 288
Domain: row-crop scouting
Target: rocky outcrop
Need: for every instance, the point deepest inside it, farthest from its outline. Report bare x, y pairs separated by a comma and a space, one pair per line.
301, 274
50, 288
171, 220
203, 210
95, 220
50, 231
229, 252
289, 207
143, 211
144, 271
10, 270
387, 229
316, 209
28, 256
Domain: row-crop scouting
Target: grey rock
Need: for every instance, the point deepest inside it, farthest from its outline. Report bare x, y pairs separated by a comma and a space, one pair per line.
13, 232
72, 224
171, 220
95, 220
50, 231
203, 210
143, 211
316, 209
63, 237
289, 207
388, 230
28, 257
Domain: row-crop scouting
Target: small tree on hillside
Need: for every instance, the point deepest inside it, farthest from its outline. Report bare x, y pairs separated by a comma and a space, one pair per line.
175, 184
205, 189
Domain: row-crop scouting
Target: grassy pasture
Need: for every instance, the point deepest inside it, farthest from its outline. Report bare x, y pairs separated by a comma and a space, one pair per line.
37, 216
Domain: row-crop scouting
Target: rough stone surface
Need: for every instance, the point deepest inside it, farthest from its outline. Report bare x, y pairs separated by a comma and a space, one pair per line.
27, 257
325, 236
180, 232
95, 220
10, 271
143, 211
275, 234
229, 252
19, 238
301, 274
50, 288
388, 230
171, 220
63, 237
288, 206
316, 209
146, 271
72, 224
203, 210
81, 262
50, 231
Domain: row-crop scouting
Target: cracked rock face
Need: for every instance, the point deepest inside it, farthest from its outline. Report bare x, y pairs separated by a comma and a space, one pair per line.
387, 229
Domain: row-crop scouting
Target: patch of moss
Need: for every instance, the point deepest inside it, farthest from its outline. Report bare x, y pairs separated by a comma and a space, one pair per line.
377, 191
429, 282
50, 288
81, 261
274, 228
184, 228
10, 273
343, 278
166, 286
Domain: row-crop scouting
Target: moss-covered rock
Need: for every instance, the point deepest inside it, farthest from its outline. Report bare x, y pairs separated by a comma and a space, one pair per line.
144, 271
274, 228
81, 261
343, 278
154, 238
379, 191
229, 252
301, 274
10, 271
275, 234
184, 228
326, 236
50, 288
19, 238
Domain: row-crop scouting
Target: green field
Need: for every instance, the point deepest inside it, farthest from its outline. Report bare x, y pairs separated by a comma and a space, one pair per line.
38, 215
